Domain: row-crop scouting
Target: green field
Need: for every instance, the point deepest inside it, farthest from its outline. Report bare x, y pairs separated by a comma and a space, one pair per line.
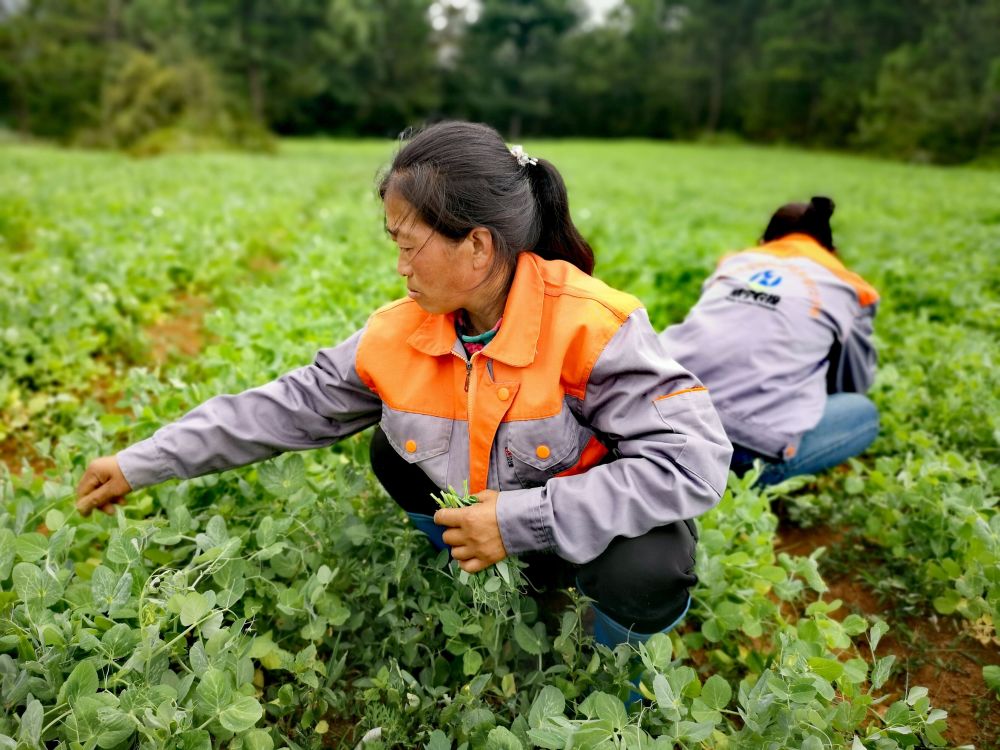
290, 605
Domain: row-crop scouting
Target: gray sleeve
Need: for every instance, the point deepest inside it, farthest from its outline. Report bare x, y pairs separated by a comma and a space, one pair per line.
853, 360
672, 464
310, 407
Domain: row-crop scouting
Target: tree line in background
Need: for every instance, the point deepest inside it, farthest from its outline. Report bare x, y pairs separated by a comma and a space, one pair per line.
918, 79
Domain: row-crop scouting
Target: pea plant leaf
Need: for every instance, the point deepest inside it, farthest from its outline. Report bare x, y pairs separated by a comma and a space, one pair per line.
35, 585
529, 640
716, 692
214, 692
284, 476
241, 714
30, 730
548, 703
82, 682
31, 547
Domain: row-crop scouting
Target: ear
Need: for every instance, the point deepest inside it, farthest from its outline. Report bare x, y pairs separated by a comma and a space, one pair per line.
481, 241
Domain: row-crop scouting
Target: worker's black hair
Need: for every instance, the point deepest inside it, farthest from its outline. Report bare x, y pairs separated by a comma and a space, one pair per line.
461, 175
812, 218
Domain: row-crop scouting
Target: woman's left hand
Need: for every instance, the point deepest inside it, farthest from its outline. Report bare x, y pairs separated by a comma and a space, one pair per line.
474, 533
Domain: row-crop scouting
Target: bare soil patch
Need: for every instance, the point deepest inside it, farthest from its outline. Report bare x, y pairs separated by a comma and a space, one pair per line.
15, 449
263, 264
796, 540
181, 334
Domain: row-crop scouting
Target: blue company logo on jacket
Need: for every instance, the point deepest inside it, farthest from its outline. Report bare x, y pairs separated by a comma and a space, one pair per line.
766, 278
756, 291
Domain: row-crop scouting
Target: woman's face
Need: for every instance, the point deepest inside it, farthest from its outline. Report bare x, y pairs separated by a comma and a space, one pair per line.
442, 275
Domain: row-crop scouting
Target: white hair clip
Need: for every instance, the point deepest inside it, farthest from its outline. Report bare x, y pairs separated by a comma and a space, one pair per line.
522, 158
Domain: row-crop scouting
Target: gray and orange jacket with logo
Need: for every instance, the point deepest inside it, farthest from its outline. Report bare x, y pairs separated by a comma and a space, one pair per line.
575, 372
777, 328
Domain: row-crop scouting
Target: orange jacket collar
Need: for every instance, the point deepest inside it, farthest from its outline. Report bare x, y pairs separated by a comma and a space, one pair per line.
517, 339
804, 245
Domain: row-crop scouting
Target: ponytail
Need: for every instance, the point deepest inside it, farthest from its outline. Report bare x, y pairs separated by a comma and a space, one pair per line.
812, 218
558, 237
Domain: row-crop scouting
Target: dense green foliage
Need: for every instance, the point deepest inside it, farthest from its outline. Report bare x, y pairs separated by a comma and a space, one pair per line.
290, 605
917, 79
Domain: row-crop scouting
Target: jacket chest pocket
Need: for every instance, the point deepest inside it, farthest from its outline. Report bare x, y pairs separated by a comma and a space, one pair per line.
538, 449
420, 439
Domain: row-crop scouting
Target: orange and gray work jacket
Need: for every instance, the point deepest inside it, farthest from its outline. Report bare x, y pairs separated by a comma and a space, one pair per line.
575, 372
777, 328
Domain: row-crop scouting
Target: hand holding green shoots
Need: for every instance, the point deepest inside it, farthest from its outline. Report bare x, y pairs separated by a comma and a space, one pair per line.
474, 536
473, 530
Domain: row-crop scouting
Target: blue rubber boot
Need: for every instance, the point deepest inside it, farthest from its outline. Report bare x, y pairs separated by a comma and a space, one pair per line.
434, 532
610, 633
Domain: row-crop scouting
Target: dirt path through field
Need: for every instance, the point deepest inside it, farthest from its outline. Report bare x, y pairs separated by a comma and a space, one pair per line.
941, 653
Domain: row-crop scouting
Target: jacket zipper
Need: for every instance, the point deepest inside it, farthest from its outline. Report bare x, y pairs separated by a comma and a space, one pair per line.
468, 389
468, 382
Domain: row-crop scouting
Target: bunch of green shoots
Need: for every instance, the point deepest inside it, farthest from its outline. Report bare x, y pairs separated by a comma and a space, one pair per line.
498, 587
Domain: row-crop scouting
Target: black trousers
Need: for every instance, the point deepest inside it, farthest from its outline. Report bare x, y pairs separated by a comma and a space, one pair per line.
641, 583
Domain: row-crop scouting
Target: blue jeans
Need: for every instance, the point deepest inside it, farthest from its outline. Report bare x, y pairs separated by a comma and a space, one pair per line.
849, 425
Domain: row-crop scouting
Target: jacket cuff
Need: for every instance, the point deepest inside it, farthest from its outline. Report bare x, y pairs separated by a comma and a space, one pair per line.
144, 464
523, 518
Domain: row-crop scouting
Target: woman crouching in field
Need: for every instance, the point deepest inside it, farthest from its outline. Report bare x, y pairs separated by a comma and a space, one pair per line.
507, 367
782, 337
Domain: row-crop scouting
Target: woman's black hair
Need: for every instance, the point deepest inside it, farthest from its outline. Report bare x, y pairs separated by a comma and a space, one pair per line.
812, 218
461, 175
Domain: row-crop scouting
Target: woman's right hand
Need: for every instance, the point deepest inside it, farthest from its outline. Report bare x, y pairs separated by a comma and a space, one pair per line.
102, 486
